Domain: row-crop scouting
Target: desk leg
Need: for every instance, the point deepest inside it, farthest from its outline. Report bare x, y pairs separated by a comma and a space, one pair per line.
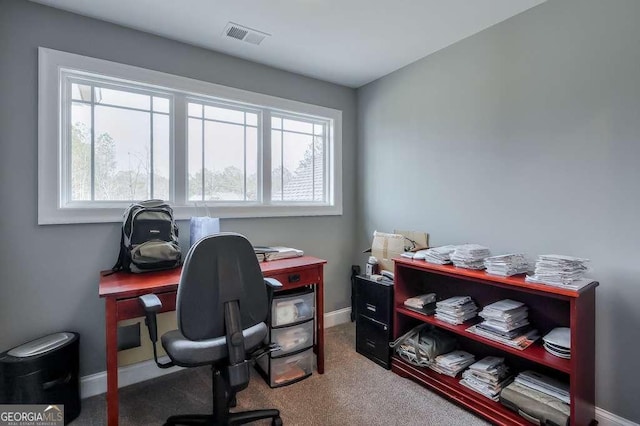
112, 361
320, 317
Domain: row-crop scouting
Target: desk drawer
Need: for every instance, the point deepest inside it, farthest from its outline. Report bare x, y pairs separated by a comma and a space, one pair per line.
131, 308
298, 278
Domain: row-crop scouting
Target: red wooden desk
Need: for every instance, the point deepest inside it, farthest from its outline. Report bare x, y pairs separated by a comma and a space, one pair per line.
121, 291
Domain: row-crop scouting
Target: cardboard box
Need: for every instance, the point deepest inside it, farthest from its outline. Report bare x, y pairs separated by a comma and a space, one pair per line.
414, 240
385, 247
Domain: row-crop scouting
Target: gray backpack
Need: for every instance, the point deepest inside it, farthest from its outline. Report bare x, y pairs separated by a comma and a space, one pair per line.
149, 240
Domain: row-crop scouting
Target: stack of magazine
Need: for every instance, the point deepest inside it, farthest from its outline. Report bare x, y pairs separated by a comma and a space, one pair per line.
506, 265
456, 310
452, 363
559, 270
470, 256
487, 377
543, 384
424, 303
438, 255
276, 252
507, 322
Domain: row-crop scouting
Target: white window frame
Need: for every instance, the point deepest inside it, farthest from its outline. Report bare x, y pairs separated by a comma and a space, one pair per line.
51, 128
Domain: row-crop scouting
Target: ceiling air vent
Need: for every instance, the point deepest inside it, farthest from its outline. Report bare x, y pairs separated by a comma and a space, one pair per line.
242, 33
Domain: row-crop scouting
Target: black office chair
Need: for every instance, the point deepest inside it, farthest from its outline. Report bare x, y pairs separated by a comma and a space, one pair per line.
221, 307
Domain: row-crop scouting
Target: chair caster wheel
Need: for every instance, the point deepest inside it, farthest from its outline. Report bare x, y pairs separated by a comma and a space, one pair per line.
277, 421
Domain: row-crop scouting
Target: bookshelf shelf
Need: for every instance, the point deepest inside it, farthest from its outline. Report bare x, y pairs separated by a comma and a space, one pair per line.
549, 307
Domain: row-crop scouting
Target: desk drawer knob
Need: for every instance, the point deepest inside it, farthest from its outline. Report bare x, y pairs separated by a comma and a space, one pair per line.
294, 278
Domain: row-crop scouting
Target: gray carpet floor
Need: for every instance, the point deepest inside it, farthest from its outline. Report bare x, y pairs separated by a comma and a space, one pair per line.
353, 391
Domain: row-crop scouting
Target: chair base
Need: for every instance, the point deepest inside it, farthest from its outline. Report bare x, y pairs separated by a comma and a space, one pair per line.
233, 418
223, 398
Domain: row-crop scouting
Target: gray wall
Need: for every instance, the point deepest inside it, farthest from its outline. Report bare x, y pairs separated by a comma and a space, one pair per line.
524, 137
49, 278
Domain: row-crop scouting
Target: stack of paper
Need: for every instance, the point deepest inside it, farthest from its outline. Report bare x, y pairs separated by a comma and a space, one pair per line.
558, 270
279, 252
424, 303
470, 256
507, 264
456, 310
507, 322
439, 255
544, 384
452, 363
487, 377
558, 342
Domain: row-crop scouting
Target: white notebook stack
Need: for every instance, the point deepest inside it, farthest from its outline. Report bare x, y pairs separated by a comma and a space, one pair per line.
452, 363
559, 270
506, 265
456, 310
470, 256
438, 255
507, 322
546, 385
487, 377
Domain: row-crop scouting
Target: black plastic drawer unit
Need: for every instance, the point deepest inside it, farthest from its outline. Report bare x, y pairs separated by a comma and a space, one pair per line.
374, 303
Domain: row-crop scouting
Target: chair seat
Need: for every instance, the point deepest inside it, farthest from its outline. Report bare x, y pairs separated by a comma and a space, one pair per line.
191, 353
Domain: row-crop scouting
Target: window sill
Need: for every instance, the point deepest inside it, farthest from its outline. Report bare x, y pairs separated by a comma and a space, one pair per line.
114, 214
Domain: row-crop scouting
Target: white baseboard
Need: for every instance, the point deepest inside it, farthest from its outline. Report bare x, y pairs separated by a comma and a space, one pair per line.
606, 418
341, 316
96, 384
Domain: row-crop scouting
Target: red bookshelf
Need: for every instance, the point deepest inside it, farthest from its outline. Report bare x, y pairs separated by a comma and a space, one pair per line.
549, 307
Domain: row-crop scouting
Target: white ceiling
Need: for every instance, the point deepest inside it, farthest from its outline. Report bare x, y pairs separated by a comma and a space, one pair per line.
349, 42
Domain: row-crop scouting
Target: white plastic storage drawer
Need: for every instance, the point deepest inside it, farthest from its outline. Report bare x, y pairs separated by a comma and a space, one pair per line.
293, 338
287, 369
292, 308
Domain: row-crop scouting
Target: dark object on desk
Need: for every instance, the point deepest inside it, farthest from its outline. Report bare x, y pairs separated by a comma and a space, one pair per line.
149, 238
43, 371
220, 274
374, 307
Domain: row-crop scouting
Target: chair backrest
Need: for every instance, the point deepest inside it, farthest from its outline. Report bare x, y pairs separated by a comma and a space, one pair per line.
218, 269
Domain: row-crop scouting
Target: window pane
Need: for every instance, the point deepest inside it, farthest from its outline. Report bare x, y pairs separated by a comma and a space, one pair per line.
252, 119
161, 159
160, 104
224, 114
223, 161
277, 175
195, 110
297, 126
122, 154
297, 158
122, 98
252, 164
81, 92
80, 152
318, 129
276, 123
195, 159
